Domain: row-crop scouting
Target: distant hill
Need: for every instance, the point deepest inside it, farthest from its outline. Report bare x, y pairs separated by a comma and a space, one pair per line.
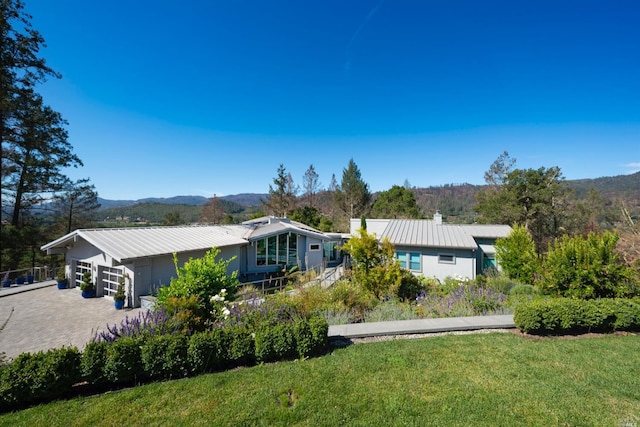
244, 199
454, 201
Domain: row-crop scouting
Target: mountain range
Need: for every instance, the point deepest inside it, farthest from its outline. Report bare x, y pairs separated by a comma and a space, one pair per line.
456, 201
244, 199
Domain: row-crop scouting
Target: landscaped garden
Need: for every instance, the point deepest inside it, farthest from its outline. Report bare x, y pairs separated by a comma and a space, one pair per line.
200, 328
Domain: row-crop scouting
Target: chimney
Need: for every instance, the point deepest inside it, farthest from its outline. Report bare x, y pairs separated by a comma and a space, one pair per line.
437, 217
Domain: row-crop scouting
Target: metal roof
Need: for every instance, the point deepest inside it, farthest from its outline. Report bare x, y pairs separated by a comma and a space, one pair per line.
492, 231
128, 243
277, 227
488, 249
427, 233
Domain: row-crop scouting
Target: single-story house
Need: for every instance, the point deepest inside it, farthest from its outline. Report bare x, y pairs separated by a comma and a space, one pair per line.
434, 249
145, 254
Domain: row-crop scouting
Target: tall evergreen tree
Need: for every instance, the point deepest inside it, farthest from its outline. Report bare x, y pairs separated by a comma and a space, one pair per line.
353, 196
282, 195
35, 150
212, 212
311, 185
77, 205
533, 198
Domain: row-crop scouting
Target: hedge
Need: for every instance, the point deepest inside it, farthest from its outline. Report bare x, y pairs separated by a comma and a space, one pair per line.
129, 360
566, 315
34, 377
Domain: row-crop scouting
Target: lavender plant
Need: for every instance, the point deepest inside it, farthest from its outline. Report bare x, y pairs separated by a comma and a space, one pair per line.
146, 323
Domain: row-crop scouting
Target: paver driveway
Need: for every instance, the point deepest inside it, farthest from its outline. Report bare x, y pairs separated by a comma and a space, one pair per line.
48, 318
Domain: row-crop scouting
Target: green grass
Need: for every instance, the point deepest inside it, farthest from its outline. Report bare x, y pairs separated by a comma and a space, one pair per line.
494, 380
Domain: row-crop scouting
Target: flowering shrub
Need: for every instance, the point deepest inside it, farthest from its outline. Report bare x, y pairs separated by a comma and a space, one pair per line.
200, 278
219, 306
465, 300
146, 323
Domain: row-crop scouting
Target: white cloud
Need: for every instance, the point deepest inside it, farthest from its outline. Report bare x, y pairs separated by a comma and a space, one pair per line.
634, 166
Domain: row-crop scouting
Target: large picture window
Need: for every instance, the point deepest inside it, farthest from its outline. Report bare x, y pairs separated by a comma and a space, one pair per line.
280, 249
261, 252
272, 247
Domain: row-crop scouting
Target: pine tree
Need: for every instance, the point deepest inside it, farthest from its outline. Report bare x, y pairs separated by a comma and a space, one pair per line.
212, 212
311, 185
352, 197
282, 195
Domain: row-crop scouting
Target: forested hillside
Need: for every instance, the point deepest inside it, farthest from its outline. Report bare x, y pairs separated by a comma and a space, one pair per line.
455, 202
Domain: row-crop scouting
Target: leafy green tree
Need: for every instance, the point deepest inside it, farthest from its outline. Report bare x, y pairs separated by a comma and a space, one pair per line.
531, 197
586, 267
397, 202
374, 265
352, 197
282, 195
325, 224
307, 215
517, 255
172, 218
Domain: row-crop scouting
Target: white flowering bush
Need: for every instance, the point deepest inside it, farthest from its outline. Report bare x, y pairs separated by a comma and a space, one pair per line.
220, 306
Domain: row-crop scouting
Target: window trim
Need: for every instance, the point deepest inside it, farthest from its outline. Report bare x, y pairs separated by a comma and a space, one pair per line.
314, 247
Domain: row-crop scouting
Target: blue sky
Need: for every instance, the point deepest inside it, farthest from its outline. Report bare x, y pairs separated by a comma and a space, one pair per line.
199, 97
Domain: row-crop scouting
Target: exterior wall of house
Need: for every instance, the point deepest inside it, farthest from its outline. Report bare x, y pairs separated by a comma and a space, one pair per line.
146, 275
153, 273
454, 262
375, 226
83, 256
314, 257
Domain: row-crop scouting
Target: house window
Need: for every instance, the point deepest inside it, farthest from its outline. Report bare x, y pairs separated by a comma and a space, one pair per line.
272, 246
488, 262
402, 258
414, 261
409, 260
314, 247
293, 250
446, 258
281, 249
261, 252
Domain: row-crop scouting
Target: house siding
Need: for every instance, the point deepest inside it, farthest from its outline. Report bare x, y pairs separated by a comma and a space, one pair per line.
464, 266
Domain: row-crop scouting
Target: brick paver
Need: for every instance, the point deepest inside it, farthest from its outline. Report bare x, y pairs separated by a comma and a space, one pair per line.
49, 318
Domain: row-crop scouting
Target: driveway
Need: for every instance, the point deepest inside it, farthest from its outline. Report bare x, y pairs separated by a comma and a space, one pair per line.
45, 318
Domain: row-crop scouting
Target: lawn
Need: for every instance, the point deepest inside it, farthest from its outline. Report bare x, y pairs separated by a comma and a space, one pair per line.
494, 379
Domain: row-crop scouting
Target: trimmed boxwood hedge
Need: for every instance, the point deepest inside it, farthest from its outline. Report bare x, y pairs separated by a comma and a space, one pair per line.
129, 360
566, 315
41, 376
